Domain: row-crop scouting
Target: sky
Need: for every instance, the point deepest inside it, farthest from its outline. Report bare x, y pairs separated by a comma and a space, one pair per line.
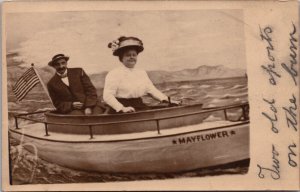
173, 40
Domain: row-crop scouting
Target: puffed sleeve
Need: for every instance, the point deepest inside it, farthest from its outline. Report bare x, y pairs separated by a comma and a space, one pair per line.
110, 90
152, 90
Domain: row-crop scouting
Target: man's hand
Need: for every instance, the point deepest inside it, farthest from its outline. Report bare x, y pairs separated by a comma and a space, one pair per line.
77, 105
127, 109
88, 111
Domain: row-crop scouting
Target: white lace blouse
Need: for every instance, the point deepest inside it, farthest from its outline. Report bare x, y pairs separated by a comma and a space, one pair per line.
124, 82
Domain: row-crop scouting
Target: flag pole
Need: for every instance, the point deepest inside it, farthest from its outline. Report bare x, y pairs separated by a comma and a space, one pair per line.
42, 83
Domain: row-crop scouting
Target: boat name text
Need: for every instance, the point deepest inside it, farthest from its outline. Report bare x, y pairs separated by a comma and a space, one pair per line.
203, 137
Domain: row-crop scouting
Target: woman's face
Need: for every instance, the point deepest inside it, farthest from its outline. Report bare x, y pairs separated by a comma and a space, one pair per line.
129, 58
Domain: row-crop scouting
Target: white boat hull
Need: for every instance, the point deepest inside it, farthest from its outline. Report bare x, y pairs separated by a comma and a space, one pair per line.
174, 150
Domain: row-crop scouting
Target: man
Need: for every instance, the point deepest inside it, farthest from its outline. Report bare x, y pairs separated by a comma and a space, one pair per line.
71, 90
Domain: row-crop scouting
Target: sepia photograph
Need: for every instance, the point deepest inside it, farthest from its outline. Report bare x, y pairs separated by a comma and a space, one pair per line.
114, 95
121, 95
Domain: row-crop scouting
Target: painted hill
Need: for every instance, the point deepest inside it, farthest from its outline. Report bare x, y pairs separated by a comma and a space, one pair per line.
199, 73
14, 71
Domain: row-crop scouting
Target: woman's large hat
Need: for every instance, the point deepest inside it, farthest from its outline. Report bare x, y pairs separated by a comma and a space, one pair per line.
56, 58
122, 43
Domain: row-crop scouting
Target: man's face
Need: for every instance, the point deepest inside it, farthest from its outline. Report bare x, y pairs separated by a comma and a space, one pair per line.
60, 66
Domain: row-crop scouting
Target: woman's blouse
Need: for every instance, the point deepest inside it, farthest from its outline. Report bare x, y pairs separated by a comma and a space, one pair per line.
124, 82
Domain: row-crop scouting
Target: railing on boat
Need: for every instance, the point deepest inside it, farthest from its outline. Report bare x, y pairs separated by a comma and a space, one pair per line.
244, 107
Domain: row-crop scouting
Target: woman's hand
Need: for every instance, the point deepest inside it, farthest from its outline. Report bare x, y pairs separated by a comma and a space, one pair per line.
172, 102
127, 109
176, 102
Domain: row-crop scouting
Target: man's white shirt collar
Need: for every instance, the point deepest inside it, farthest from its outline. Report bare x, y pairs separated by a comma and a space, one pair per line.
64, 77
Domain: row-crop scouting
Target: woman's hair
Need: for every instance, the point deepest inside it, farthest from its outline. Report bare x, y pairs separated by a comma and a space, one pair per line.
122, 51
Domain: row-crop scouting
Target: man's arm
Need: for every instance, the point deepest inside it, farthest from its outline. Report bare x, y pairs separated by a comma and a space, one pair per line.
61, 106
89, 89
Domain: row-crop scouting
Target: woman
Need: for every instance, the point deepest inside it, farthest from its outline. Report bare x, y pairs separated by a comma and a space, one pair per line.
125, 85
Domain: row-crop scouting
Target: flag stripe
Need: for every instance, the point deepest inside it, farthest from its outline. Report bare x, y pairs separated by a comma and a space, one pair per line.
33, 81
29, 76
25, 83
25, 91
20, 97
25, 76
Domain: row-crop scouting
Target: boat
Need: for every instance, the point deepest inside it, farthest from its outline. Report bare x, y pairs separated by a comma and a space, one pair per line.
161, 140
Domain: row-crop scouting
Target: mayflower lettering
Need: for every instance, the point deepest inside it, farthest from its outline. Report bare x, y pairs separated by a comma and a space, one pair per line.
203, 137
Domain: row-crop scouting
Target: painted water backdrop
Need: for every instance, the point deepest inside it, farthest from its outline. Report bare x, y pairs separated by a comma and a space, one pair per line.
212, 93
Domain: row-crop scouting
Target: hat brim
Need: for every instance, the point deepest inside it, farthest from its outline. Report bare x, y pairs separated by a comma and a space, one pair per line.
53, 61
118, 51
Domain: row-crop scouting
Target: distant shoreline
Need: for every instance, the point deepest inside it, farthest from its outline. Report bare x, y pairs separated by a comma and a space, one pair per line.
161, 84
210, 79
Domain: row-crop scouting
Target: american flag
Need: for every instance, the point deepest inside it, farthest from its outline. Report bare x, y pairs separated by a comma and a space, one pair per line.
26, 82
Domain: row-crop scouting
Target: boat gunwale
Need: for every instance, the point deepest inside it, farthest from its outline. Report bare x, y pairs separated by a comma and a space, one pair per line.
205, 110
125, 114
125, 140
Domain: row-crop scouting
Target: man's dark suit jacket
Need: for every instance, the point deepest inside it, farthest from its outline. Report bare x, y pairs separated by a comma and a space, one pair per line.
80, 89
